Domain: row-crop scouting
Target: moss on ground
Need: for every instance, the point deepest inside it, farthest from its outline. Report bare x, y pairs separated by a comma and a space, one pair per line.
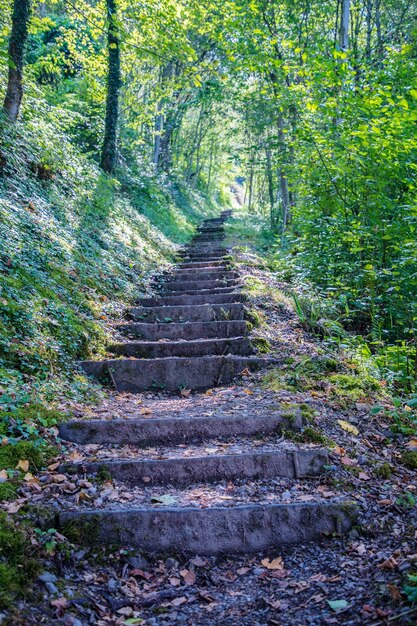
37, 453
17, 565
324, 374
409, 458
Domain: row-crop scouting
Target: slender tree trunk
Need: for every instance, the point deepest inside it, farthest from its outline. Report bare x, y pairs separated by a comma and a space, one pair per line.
251, 175
271, 192
368, 29
210, 168
285, 196
379, 44
14, 93
344, 25
109, 149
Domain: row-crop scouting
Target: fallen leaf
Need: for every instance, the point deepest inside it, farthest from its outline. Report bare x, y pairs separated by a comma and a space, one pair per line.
274, 564
60, 603
13, 507
145, 411
53, 467
390, 563
178, 601
165, 499
394, 592
337, 605
75, 456
59, 478
3, 476
185, 393
364, 476
349, 428
125, 610
275, 604
243, 570
188, 576
248, 392
23, 465
198, 561
174, 581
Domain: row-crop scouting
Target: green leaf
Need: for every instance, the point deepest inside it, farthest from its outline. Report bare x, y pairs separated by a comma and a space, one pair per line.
338, 605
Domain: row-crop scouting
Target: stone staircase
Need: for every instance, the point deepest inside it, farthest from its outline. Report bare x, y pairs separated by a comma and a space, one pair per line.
194, 335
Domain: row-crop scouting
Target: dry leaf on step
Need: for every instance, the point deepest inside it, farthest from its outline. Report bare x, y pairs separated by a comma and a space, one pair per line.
349, 428
275, 564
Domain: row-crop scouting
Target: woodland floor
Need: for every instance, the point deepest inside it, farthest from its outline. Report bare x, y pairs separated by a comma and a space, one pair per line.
291, 585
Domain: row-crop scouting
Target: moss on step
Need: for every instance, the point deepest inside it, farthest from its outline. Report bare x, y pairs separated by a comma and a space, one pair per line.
82, 531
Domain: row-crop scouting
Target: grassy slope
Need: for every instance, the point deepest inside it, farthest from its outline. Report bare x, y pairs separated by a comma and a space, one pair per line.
75, 248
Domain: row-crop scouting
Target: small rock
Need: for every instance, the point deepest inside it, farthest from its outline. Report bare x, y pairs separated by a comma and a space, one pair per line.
404, 566
258, 571
112, 584
71, 620
79, 555
51, 588
171, 563
139, 562
69, 593
48, 577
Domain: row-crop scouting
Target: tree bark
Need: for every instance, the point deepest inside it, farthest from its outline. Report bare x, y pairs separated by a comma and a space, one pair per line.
344, 25
14, 93
109, 149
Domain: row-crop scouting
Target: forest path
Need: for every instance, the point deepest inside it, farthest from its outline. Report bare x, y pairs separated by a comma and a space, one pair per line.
162, 513
145, 459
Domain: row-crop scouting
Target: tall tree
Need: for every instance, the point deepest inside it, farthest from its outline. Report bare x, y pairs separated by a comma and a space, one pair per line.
14, 93
109, 149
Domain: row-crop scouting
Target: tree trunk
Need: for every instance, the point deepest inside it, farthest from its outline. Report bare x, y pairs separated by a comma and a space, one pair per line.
271, 193
14, 93
344, 25
109, 149
251, 175
285, 196
368, 29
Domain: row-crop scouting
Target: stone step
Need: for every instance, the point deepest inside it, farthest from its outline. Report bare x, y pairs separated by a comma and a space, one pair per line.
195, 285
212, 530
204, 265
216, 296
172, 373
199, 292
202, 250
191, 330
205, 469
194, 257
198, 274
197, 313
196, 347
172, 430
